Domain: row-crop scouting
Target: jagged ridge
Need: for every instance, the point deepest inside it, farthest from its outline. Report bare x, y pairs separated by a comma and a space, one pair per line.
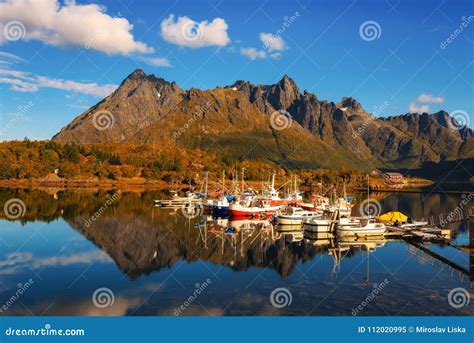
235, 121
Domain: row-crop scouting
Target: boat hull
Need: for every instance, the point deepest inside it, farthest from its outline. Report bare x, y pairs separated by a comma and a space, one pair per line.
317, 227
288, 221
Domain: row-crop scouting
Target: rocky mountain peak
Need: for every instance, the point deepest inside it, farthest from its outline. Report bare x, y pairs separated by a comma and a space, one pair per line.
136, 74
351, 103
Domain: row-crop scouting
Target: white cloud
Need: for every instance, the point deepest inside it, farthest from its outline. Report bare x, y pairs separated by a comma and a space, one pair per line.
10, 58
253, 53
425, 98
157, 61
415, 108
19, 85
428, 98
71, 24
188, 33
17, 74
76, 87
272, 42
21, 81
44, 82
272, 45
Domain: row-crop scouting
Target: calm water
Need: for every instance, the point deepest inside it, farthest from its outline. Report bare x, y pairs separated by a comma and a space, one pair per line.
157, 262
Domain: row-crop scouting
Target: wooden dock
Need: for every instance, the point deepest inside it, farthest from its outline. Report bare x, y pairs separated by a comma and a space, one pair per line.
425, 233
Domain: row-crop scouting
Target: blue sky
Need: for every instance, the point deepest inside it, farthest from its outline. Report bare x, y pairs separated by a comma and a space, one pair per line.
58, 58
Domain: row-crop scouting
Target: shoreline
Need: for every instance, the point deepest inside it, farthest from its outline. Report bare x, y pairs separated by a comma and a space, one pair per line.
143, 185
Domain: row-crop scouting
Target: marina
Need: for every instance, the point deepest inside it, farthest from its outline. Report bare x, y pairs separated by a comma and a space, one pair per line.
152, 256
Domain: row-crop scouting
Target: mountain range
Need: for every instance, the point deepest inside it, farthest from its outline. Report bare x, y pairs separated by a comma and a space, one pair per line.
276, 123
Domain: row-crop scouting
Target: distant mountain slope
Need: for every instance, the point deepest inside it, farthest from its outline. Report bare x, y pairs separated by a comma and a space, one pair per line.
238, 121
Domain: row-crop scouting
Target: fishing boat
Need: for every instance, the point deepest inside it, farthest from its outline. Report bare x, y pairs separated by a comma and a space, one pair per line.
295, 216
318, 203
221, 205
360, 227
272, 195
254, 208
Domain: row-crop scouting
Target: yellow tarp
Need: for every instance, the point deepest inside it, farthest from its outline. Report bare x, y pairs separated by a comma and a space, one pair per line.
392, 217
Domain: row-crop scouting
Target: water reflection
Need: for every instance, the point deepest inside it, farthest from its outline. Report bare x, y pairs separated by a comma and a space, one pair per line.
151, 244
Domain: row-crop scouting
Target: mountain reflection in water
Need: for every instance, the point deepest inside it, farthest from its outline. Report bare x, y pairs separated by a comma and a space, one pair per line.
162, 256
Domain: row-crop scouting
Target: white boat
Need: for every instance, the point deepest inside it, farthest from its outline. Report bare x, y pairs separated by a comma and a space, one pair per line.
318, 225
295, 216
176, 200
363, 227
